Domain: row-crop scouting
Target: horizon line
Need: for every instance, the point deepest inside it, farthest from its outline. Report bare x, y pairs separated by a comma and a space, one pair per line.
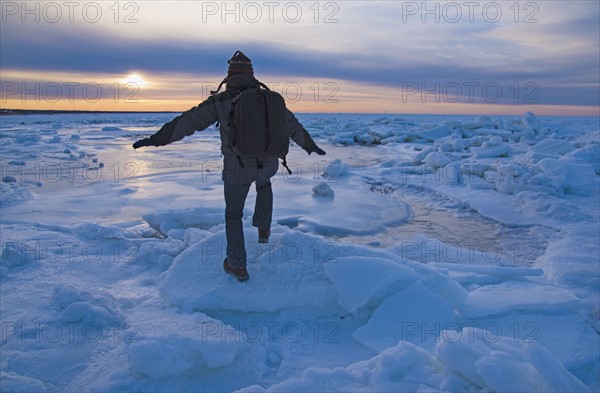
17, 112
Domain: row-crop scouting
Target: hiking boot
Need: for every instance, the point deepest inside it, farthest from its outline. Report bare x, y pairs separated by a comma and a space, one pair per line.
263, 235
238, 272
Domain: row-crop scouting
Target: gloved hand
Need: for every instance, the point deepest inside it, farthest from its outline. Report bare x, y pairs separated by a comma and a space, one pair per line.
143, 143
318, 150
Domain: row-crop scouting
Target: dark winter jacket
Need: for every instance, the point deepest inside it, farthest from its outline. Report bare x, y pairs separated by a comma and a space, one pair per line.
216, 108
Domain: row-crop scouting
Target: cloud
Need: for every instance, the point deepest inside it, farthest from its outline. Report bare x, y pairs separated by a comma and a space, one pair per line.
371, 46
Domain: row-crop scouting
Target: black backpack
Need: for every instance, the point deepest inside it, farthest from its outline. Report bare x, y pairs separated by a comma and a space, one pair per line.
258, 125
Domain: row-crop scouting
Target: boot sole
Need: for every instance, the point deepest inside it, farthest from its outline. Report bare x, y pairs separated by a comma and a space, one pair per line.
237, 277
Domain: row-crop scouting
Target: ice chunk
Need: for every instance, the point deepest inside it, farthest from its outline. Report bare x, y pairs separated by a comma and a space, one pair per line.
402, 368
549, 148
182, 343
481, 122
445, 148
549, 205
467, 360
202, 217
289, 275
194, 235
475, 168
165, 261
501, 365
573, 261
168, 357
17, 254
552, 371
434, 133
89, 313
408, 315
455, 142
323, 190
420, 157
335, 169
161, 359
171, 356
516, 295
504, 134
589, 154
151, 252
531, 122
370, 138
575, 178
513, 185
93, 230
76, 305
359, 279
491, 150
437, 160
451, 174
15, 383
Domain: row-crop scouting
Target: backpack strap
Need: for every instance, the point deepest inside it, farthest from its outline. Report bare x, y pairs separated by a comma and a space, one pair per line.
285, 165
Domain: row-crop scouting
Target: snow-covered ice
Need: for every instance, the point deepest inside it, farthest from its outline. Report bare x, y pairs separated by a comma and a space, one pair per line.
422, 253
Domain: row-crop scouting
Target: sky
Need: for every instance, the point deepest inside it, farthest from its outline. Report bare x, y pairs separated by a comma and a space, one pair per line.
447, 57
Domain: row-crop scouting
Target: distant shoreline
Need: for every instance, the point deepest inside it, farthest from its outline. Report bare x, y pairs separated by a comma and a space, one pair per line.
9, 112
16, 112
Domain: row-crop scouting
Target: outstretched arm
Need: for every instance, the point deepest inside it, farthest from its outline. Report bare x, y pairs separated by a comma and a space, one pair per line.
197, 118
299, 135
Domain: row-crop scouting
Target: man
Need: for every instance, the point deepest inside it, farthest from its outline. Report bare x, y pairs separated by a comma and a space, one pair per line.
238, 172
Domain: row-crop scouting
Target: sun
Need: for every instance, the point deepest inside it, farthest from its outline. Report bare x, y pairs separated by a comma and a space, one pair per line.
135, 79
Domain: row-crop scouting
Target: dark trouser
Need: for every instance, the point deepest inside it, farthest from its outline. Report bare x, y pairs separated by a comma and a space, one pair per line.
235, 198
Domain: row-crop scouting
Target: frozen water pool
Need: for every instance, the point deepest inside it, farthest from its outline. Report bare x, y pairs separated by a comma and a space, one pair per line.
468, 230
459, 229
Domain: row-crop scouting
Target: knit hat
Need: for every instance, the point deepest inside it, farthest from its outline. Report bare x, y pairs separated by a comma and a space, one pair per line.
239, 64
